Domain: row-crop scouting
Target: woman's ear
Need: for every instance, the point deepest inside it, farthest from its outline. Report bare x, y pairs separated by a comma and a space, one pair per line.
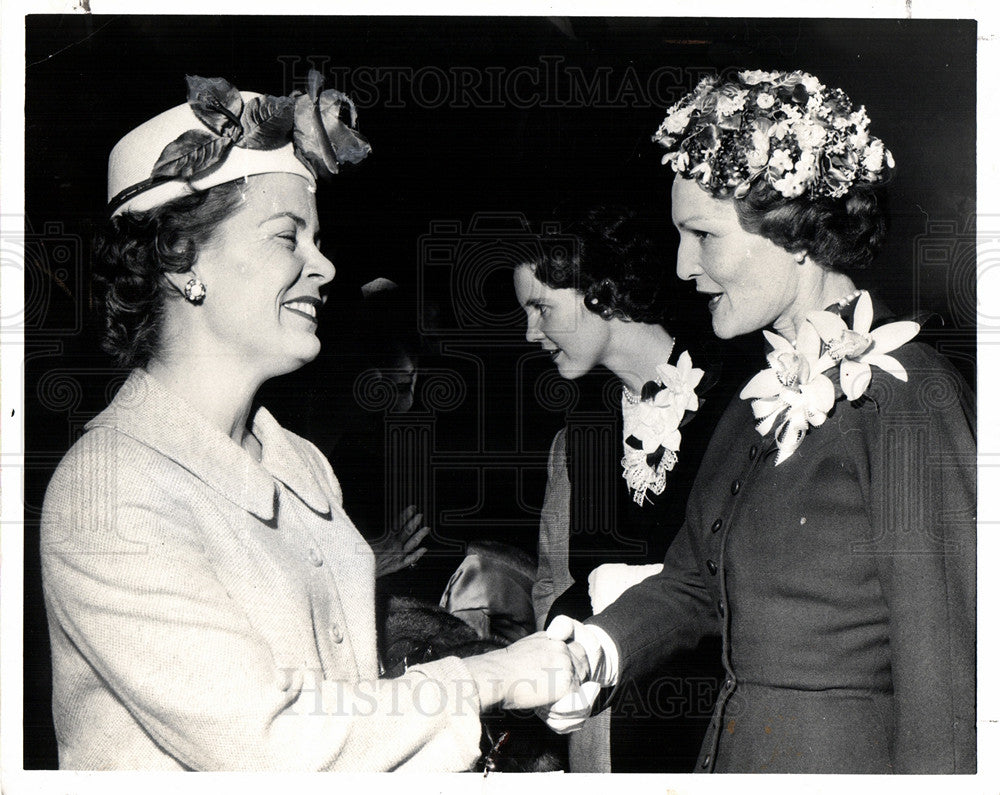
178, 280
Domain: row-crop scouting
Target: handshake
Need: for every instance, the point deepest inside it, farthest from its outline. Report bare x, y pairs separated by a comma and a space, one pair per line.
566, 667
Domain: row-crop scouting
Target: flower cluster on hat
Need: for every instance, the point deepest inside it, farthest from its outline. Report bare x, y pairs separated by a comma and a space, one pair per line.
793, 393
321, 124
784, 127
651, 426
859, 347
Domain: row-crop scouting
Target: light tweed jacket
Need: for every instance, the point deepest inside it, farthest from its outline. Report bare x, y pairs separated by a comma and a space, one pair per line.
209, 612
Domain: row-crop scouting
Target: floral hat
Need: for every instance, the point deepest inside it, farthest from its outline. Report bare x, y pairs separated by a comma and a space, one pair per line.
221, 134
785, 127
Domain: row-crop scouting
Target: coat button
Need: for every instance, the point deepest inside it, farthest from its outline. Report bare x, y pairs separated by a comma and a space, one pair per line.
706, 761
712, 568
716, 525
315, 558
735, 488
753, 452
722, 607
729, 681
335, 633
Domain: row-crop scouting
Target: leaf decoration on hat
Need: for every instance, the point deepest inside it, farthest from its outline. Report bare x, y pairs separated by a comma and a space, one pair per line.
324, 133
217, 104
191, 153
267, 122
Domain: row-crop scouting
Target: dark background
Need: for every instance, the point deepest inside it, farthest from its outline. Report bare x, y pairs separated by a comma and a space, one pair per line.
562, 111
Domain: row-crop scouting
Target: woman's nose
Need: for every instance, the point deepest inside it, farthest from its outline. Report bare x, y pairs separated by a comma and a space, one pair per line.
321, 268
687, 262
533, 334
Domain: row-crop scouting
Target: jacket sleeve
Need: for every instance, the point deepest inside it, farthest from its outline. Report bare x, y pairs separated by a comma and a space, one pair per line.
552, 576
129, 588
661, 616
922, 501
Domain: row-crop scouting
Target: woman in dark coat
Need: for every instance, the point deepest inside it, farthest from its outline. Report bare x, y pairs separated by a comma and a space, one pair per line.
830, 535
601, 299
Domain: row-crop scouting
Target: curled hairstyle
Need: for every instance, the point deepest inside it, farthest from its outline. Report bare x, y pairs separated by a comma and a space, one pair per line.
132, 254
842, 234
623, 265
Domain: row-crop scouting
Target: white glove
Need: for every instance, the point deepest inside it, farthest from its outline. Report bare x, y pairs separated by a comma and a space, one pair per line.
602, 655
569, 713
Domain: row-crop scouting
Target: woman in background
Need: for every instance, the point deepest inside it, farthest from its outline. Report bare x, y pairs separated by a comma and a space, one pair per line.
598, 296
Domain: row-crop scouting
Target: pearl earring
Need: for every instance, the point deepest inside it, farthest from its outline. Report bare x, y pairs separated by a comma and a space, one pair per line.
195, 290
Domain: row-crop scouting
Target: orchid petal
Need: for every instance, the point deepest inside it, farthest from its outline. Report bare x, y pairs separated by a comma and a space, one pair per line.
854, 378
820, 393
863, 313
824, 363
887, 363
808, 342
778, 342
829, 325
694, 377
893, 335
766, 412
764, 384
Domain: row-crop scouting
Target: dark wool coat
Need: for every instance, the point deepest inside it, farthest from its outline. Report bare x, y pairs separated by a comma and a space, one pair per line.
842, 583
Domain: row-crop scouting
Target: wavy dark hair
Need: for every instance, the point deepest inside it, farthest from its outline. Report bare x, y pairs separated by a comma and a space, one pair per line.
842, 234
622, 264
132, 253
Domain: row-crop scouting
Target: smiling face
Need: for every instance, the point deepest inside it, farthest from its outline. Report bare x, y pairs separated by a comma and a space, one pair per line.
264, 273
576, 339
753, 283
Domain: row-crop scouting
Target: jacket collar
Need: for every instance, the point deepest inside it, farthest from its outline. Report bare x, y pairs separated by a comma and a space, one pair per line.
147, 411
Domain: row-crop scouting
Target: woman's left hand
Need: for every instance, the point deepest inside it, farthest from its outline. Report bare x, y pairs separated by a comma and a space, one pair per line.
400, 546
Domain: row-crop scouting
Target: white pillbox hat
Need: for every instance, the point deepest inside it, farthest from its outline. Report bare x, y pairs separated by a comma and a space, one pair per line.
133, 158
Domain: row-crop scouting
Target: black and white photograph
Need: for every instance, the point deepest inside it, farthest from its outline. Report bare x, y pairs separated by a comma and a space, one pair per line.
491, 394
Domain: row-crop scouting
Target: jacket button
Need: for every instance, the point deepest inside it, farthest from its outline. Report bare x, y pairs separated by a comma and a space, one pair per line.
712, 568
729, 681
716, 525
315, 558
706, 761
735, 488
722, 607
335, 634
753, 452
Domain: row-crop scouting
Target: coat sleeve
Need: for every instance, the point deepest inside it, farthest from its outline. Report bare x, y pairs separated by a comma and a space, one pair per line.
129, 587
552, 576
922, 454
663, 615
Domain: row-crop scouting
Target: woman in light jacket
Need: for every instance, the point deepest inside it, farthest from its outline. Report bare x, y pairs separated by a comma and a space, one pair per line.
210, 605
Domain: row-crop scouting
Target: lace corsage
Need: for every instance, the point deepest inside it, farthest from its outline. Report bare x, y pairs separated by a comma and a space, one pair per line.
651, 426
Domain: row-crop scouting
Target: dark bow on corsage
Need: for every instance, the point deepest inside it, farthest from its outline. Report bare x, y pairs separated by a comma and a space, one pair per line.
321, 124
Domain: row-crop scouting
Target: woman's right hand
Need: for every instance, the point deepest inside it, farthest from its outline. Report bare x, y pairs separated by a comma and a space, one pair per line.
533, 672
400, 546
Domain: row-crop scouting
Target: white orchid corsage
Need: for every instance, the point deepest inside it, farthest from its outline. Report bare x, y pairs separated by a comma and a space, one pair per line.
859, 347
651, 426
795, 393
